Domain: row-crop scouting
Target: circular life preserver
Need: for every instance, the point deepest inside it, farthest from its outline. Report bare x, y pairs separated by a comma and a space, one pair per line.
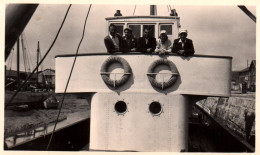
105, 74
151, 75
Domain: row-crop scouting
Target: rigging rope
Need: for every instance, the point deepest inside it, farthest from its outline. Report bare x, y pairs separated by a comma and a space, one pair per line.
170, 7
28, 54
134, 10
27, 62
40, 56
24, 56
21, 86
10, 60
10, 63
44, 79
69, 77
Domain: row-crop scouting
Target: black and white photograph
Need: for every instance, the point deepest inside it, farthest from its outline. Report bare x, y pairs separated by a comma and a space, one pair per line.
129, 77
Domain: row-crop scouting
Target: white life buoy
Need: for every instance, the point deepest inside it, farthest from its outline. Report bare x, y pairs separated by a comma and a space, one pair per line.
105, 74
162, 85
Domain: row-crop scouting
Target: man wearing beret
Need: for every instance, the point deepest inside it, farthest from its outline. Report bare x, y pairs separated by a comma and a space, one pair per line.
183, 46
129, 42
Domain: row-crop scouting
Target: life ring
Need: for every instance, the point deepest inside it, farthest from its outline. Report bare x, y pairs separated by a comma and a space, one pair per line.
105, 74
162, 85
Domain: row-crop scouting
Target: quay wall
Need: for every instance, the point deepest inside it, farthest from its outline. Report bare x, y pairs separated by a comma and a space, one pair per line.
236, 113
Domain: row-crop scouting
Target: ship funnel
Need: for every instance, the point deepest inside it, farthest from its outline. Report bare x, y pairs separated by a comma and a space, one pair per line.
152, 10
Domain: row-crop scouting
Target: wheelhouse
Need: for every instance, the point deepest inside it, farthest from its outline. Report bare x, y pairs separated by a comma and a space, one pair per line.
138, 23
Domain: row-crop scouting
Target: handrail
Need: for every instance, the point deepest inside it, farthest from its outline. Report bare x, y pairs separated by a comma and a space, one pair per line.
128, 17
139, 53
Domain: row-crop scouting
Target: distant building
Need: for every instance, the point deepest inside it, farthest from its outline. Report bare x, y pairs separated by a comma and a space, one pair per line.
23, 75
47, 76
252, 75
235, 81
11, 79
247, 75
235, 76
244, 75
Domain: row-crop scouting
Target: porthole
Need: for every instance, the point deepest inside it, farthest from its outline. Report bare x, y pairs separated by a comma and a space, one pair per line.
155, 108
120, 107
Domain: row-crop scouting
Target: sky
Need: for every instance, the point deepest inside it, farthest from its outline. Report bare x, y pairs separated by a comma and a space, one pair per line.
215, 30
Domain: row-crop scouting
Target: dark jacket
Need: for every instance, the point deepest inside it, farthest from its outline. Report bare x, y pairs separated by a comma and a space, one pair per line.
188, 47
110, 46
142, 46
129, 44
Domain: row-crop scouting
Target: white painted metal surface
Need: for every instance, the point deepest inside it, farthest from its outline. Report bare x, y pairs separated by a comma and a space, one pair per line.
198, 75
138, 129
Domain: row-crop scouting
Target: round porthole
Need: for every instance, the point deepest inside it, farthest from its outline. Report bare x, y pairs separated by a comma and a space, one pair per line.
155, 108
120, 107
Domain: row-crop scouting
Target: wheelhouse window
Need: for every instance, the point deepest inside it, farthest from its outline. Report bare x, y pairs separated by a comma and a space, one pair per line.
136, 30
168, 28
150, 27
119, 29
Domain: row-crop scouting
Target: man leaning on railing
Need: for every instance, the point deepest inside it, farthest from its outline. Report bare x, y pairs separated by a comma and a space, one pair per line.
113, 41
183, 46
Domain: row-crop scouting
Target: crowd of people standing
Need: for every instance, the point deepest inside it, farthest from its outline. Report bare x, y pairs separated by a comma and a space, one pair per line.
148, 44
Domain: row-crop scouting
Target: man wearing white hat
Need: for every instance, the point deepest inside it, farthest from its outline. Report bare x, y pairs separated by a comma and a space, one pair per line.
183, 46
163, 43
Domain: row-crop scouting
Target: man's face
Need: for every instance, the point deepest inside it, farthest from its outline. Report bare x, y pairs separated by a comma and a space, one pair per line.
146, 33
112, 31
127, 33
183, 36
163, 37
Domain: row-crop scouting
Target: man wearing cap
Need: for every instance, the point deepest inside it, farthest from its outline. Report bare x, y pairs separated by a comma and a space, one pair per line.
163, 43
113, 41
147, 43
129, 42
183, 46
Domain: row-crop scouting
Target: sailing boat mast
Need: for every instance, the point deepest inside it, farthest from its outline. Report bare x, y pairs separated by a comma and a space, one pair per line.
38, 52
18, 63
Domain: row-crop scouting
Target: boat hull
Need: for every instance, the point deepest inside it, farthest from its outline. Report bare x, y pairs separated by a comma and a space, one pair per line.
143, 126
27, 97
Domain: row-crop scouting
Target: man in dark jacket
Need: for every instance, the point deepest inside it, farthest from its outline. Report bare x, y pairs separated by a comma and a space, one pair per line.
147, 43
183, 46
113, 41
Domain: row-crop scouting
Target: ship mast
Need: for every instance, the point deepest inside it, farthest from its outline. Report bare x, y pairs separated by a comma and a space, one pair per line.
18, 63
38, 51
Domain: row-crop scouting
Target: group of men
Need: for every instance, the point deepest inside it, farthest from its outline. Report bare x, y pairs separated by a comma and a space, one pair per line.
148, 44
